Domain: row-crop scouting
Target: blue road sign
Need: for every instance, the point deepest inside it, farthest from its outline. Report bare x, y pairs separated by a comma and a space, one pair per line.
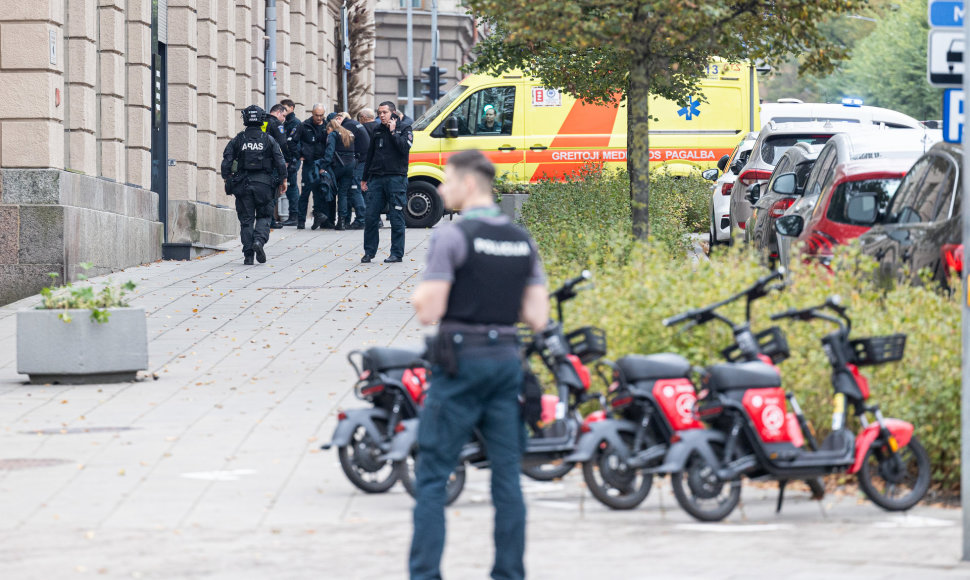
946, 13
953, 115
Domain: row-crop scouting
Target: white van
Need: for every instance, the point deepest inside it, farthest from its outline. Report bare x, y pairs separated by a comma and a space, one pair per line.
849, 111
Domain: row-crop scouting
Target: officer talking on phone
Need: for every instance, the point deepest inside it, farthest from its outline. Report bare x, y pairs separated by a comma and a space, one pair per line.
483, 276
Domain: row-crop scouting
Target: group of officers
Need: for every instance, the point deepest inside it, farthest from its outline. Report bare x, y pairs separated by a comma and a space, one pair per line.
340, 160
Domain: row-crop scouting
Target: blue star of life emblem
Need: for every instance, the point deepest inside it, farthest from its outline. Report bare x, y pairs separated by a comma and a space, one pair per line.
693, 109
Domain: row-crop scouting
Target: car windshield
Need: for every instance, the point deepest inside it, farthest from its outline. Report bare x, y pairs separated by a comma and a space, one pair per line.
431, 114
882, 189
775, 146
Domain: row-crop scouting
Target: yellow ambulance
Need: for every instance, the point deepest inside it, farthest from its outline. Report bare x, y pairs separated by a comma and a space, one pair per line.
532, 132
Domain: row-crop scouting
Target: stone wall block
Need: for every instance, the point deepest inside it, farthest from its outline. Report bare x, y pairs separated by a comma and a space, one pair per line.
15, 86
182, 69
24, 45
83, 151
182, 26
207, 114
82, 66
32, 143
82, 19
139, 167
113, 119
22, 280
112, 74
210, 186
208, 77
34, 10
208, 38
31, 186
139, 93
139, 127
226, 47
182, 105
113, 160
111, 30
139, 44
9, 234
41, 234
139, 11
209, 156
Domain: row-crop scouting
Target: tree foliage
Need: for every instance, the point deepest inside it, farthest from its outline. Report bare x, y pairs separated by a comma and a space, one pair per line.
886, 65
602, 50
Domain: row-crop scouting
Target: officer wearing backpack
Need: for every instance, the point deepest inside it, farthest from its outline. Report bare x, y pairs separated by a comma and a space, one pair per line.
253, 167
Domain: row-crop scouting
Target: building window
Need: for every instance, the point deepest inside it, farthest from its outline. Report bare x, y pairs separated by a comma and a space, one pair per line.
402, 89
419, 4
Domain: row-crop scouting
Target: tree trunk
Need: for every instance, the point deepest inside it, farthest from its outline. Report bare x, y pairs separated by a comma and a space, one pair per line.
638, 150
360, 89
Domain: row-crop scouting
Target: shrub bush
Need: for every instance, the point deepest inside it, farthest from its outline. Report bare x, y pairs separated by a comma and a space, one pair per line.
638, 285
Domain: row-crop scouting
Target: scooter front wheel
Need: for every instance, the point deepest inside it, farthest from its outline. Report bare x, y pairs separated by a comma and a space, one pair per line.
702, 493
362, 465
613, 483
405, 472
895, 481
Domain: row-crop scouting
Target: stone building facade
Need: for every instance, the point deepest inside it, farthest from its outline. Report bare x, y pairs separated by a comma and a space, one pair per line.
114, 115
457, 33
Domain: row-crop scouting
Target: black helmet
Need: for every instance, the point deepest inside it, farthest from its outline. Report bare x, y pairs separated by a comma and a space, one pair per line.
253, 116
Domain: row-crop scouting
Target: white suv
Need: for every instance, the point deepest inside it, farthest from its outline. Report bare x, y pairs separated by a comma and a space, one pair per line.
720, 230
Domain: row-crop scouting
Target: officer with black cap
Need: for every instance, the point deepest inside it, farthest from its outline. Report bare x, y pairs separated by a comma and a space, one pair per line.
253, 167
483, 275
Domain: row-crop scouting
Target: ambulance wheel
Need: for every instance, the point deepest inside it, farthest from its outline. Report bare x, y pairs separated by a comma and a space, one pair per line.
424, 208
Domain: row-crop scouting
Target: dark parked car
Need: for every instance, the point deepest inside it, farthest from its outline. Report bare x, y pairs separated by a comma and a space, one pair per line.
771, 200
922, 229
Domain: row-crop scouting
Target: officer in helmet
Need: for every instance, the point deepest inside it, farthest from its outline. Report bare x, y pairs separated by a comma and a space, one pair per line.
252, 165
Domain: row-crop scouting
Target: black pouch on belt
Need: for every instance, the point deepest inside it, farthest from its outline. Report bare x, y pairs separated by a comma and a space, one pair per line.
443, 353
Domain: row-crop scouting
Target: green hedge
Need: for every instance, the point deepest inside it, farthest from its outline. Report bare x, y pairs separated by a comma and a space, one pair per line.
580, 225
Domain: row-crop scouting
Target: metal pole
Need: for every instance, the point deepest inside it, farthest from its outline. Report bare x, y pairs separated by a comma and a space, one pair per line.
751, 72
965, 387
434, 33
409, 110
270, 63
346, 52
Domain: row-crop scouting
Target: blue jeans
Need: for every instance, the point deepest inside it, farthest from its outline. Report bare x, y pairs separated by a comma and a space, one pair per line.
388, 190
483, 394
293, 189
344, 174
356, 195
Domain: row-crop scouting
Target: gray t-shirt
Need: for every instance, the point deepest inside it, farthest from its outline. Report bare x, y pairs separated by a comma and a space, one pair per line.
448, 250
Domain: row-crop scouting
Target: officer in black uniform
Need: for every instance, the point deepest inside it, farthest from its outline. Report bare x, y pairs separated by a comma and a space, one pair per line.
385, 180
483, 275
259, 171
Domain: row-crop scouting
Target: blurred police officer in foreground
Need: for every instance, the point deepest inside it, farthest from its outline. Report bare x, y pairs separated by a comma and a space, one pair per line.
258, 173
483, 275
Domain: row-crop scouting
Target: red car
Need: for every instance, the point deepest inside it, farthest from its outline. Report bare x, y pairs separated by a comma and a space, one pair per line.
830, 224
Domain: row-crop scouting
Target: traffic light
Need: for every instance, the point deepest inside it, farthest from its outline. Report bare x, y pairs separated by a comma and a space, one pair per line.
433, 82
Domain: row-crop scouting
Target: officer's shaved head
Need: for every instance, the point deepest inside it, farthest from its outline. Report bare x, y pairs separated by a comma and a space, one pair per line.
469, 176
474, 162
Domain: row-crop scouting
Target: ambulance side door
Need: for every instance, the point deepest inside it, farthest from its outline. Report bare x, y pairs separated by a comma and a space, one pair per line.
491, 120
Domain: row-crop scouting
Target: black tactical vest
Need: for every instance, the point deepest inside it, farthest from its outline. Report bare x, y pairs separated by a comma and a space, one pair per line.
488, 287
255, 152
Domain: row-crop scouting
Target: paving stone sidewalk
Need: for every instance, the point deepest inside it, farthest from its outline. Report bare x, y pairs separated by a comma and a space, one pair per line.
214, 469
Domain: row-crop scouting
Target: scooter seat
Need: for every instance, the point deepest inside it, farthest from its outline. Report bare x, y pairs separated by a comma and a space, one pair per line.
639, 367
746, 375
383, 359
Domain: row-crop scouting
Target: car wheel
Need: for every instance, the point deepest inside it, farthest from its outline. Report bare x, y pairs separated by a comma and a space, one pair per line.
424, 206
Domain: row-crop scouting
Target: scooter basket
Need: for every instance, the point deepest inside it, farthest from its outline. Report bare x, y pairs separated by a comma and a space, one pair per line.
877, 350
588, 343
771, 342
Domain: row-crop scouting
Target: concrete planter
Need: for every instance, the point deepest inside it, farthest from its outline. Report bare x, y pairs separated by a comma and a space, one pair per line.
81, 351
511, 205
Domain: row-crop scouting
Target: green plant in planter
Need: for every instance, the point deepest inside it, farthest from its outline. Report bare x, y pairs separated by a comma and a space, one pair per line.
71, 297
